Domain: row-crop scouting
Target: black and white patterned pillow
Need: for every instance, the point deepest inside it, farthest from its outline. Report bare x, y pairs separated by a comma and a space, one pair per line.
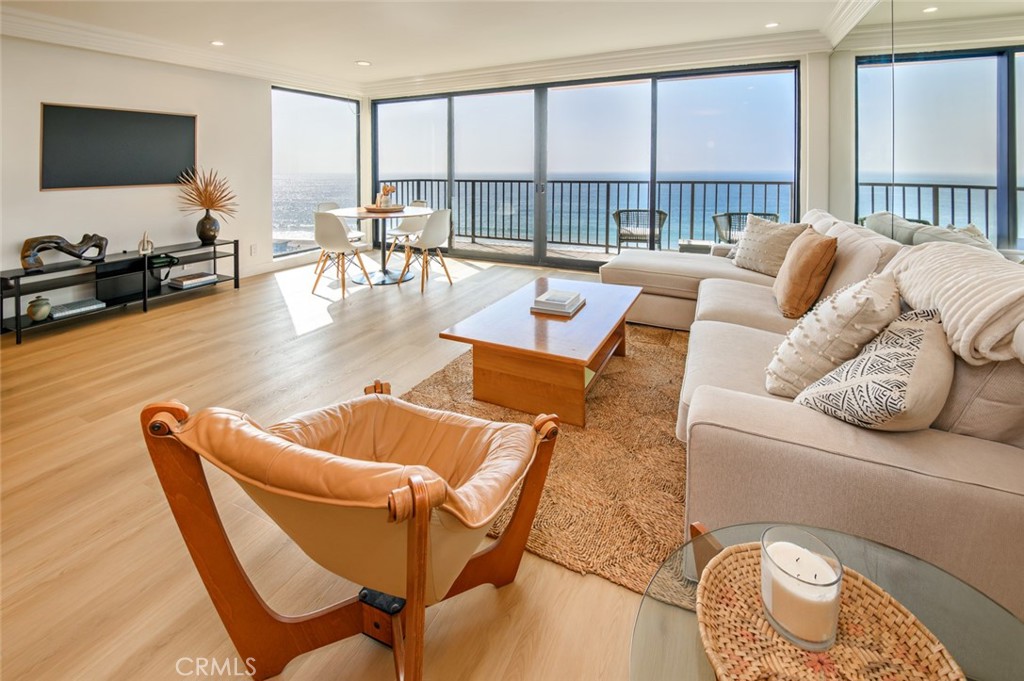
899, 381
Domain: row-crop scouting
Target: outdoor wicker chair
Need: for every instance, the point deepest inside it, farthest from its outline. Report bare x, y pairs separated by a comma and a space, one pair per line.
634, 226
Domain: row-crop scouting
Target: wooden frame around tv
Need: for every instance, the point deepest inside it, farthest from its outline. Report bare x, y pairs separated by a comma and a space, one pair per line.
88, 147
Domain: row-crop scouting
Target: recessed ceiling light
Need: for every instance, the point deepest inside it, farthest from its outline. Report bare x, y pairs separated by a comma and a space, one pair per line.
929, 10
363, 62
217, 43
772, 24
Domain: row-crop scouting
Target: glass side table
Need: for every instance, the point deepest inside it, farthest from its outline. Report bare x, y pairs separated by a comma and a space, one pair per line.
984, 638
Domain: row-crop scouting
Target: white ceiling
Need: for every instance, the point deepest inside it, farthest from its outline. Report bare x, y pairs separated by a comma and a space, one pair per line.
425, 44
407, 40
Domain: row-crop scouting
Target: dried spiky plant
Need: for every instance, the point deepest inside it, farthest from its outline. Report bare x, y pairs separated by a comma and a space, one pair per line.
205, 190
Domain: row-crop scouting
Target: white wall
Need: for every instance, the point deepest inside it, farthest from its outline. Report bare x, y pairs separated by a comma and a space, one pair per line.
234, 137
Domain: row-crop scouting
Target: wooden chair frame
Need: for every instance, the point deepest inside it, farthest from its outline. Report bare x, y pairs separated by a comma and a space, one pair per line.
272, 639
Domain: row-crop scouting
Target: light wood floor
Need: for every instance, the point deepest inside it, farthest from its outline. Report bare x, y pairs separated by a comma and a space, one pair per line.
96, 581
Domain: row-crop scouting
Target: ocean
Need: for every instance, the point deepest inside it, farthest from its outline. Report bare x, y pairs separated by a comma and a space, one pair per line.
580, 206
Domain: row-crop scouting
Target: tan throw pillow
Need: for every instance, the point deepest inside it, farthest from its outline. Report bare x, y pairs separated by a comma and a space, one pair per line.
804, 272
899, 382
763, 244
833, 332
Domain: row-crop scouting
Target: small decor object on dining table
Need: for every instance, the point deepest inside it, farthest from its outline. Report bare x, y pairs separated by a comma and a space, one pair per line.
207, 191
561, 303
384, 197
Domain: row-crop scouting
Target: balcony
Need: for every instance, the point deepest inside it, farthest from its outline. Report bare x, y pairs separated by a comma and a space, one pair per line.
497, 215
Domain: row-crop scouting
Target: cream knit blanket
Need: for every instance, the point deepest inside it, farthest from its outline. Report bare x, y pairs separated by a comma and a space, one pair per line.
979, 294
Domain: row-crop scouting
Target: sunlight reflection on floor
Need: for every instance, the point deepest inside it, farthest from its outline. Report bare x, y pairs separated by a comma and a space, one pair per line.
311, 311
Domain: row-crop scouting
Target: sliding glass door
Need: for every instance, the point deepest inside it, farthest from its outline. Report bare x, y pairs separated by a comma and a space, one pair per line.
598, 162
569, 173
726, 144
412, 150
493, 186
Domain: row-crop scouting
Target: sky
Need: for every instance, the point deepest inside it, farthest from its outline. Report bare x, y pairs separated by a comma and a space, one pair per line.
707, 126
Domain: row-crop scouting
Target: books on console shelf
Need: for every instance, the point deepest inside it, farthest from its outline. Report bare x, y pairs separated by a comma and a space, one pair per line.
563, 303
186, 281
76, 307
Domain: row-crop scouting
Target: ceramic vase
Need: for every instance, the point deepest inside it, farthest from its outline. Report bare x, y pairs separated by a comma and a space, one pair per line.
208, 228
39, 309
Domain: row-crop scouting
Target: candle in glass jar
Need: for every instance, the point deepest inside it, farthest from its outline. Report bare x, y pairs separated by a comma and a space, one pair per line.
800, 591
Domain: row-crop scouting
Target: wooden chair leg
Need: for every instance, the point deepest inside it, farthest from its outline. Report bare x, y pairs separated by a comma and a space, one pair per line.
423, 272
263, 638
391, 250
359, 259
705, 546
321, 266
416, 580
499, 562
405, 268
343, 273
444, 266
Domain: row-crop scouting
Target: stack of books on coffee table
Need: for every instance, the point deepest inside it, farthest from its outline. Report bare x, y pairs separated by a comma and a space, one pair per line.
561, 303
187, 281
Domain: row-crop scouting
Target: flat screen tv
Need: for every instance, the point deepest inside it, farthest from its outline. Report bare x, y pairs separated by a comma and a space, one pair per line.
92, 147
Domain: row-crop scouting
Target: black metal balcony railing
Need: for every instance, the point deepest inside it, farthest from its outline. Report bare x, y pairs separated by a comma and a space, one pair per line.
939, 204
579, 212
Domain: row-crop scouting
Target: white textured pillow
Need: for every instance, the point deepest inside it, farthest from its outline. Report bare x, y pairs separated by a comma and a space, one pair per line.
833, 332
763, 244
900, 381
968, 236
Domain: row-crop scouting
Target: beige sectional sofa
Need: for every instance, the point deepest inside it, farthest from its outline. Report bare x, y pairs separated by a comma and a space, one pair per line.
952, 494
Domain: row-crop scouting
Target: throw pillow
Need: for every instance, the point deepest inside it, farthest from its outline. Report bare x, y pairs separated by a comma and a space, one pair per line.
959, 236
763, 244
803, 273
899, 382
833, 332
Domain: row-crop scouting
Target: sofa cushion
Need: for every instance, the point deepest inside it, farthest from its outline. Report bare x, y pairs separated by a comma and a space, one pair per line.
727, 356
804, 272
892, 226
743, 303
986, 402
898, 382
763, 244
833, 332
673, 274
859, 252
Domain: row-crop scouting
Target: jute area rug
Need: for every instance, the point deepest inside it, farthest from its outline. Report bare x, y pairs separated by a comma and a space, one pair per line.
613, 501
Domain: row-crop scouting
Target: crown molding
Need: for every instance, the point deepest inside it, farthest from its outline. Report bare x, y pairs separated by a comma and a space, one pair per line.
940, 34
844, 18
646, 60
18, 23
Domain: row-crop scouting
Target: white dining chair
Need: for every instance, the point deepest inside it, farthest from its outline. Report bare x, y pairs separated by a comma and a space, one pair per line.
332, 235
434, 233
353, 234
406, 230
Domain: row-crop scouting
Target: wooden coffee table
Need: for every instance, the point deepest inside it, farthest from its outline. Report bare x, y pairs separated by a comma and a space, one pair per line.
545, 363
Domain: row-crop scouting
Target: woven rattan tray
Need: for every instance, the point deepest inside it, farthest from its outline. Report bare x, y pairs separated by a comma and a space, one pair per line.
877, 637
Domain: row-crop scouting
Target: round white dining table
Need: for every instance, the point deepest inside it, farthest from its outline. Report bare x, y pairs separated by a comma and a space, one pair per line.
380, 218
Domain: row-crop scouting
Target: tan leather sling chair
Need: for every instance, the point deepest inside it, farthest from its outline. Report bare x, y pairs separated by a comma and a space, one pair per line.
384, 493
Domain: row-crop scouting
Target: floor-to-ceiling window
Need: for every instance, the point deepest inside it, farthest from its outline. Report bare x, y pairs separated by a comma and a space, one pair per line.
537, 173
493, 161
930, 140
412, 149
315, 160
598, 162
726, 143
